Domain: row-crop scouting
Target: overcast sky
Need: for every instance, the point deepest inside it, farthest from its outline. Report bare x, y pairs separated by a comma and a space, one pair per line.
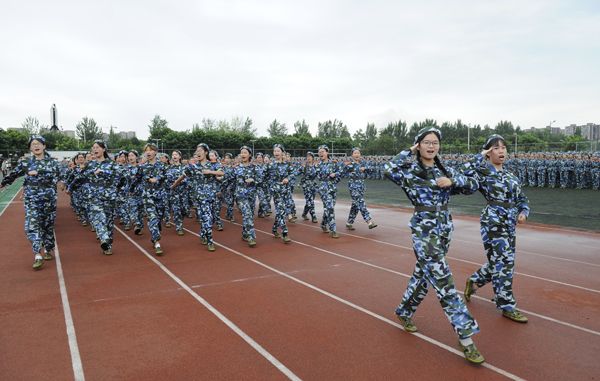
122, 62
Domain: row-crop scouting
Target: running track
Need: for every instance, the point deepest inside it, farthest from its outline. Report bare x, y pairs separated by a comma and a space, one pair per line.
318, 309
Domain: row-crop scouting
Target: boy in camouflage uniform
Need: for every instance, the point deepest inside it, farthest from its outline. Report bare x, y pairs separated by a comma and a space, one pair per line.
309, 187
357, 170
328, 174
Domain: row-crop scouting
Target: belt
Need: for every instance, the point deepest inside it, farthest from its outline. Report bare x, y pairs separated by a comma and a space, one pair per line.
503, 204
43, 185
433, 208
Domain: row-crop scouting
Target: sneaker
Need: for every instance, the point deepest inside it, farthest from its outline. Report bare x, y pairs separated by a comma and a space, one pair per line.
220, 228
84, 223
168, 224
515, 315
180, 232
127, 228
137, 231
325, 229
251, 242
286, 239
407, 323
105, 246
38, 263
276, 234
334, 234
350, 227
211, 247
372, 225
48, 255
314, 220
305, 217
469, 290
472, 353
157, 249
203, 240
107, 251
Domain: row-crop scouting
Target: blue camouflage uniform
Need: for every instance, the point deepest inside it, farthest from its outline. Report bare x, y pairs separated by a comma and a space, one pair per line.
245, 196
276, 172
204, 196
177, 196
263, 191
328, 192
505, 201
431, 227
39, 199
357, 172
309, 188
152, 195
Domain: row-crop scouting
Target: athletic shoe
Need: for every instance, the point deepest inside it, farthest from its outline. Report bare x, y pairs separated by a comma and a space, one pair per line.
168, 224
285, 238
325, 229
276, 234
334, 234
48, 255
407, 324
127, 227
203, 240
314, 220
108, 251
350, 227
251, 242
105, 246
84, 223
220, 228
372, 225
472, 353
138, 231
38, 263
211, 247
180, 232
515, 315
305, 217
157, 249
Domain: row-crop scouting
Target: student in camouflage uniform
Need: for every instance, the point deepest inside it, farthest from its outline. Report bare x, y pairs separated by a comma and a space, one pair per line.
506, 205
567, 167
228, 187
357, 170
215, 182
39, 198
262, 188
595, 168
177, 196
150, 175
278, 175
135, 205
309, 187
290, 204
164, 160
246, 179
101, 178
328, 174
428, 185
123, 192
78, 198
197, 172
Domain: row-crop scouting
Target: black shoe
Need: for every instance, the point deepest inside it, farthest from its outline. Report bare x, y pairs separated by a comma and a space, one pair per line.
105, 246
314, 220
138, 231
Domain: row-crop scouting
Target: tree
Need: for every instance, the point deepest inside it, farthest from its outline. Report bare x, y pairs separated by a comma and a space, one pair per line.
158, 127
87, 130
113, 139
505, 128
301, 128
32, 126
277, 129
208, 124
370, 133
332, 129
247, 128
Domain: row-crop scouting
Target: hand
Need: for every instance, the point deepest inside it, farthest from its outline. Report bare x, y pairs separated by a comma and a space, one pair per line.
522, 218
332, 175
152, 180
443, 182
413, 149
206, 172
249, 181
486, 152
32, 173
362, 169
284, 181
97, 172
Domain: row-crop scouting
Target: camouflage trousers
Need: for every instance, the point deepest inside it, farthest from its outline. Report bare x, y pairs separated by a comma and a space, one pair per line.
135, 207
155, 210
122, 212
552, 177
290, 205
522, 176
102, 218
247, 210
541, 177
432, 268
40, 213
358, 205
499, 244
216, 211
596, 180
78, 204
279, 199
177, 205
581, 180
531, 177
264, 200
328, 197
565, 178
309, 197
228, 199
204, 208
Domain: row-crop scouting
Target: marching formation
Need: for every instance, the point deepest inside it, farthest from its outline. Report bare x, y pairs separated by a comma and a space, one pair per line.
161, 191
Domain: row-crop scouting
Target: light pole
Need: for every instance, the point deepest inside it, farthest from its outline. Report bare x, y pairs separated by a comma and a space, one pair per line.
468, 138
157, 142
252, 141
332, 153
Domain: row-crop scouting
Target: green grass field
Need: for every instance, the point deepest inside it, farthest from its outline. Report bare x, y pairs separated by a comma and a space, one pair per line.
575, 208
8, 193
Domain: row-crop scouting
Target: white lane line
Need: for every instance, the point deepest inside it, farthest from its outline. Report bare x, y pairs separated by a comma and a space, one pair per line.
462, 260
257, 347
73, 347
8, 203
364, 310
544, 317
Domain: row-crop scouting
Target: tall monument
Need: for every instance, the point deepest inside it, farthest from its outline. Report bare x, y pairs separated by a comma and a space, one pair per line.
53, 118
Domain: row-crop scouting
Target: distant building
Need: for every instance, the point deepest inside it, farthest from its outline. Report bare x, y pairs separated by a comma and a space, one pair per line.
591, 131
126, 134
555, 130
69, 133
570, 130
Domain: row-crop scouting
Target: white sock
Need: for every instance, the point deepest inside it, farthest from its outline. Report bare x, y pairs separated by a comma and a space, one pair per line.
37, 256
466, 342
